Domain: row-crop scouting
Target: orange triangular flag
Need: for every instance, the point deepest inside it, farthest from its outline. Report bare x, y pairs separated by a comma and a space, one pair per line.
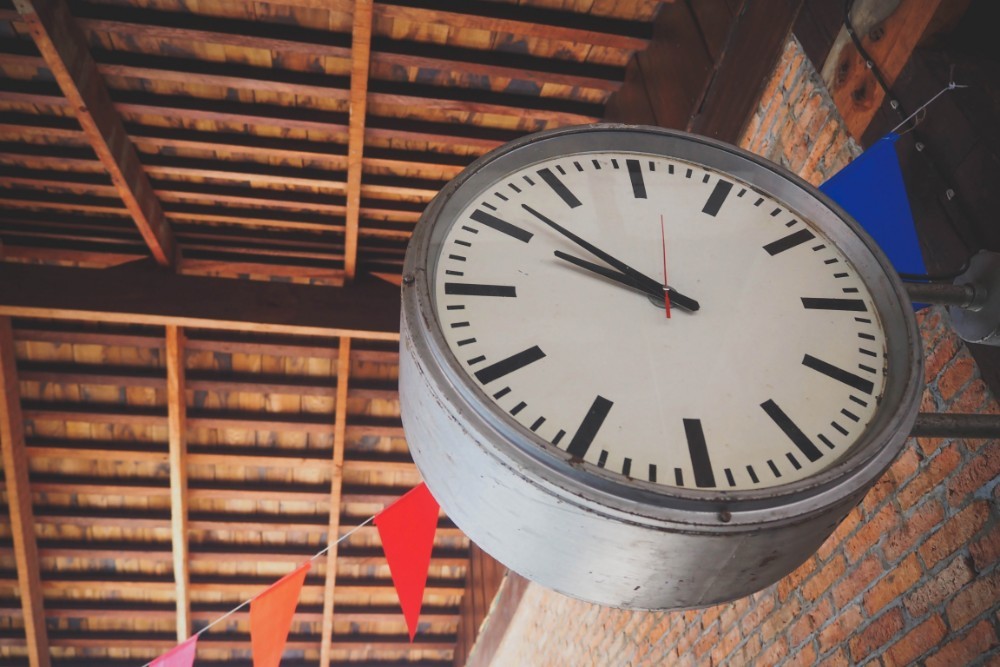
181, 655
407, 530
271, 617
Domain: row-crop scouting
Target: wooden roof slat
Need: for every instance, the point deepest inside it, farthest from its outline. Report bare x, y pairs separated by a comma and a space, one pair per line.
336, 483
66, 53
283, 38
178, 461
18, 488
361, 38
365, 310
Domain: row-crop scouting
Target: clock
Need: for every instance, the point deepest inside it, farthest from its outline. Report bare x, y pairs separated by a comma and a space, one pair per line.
647, 369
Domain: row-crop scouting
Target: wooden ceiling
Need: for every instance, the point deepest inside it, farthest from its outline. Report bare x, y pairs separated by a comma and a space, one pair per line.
179, 450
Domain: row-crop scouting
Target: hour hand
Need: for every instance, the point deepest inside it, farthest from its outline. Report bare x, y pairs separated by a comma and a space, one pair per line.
676, 298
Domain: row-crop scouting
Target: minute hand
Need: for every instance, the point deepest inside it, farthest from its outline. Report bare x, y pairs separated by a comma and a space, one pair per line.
680, 300
641, 278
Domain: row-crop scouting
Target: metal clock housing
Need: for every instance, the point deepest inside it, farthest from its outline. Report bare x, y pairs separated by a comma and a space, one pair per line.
595, 534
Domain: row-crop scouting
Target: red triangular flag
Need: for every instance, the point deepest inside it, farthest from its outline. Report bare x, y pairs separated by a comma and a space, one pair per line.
181, 655
407, 530
271, 617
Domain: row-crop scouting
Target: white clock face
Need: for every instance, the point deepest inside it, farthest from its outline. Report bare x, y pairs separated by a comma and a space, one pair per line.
771, 379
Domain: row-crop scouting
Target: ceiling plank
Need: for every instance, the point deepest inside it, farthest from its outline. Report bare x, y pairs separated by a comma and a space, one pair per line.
336, 489
22, 520
132, 295
177, 455
65, 50
361, 41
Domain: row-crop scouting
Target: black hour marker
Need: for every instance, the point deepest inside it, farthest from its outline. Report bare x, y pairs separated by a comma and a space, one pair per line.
850, 290
652, 472
774, 468
457, 258
785, 423
597, 165
729, 477
698, 450
857, 400
454, 273
627, 467
514, 188
867, 368
579, 167
503, 392
850, 415
840, 429
854, 305
501, 225
459, 325
476, 360
517, 408
839, 374
602, 459
679, 476
471, 230
559, 436
591, 423
455, 307
688, 173
753, 475
527, 179
501, 196
775, 212
706, 178
635, 175
614, 163
866, 336
538, 422
510, 364
670, 169
474, 289
466, 341
489, 206
867, 353
794, 461
560, 170
717, 198
559, 187
788, 242
463, 243
825, 440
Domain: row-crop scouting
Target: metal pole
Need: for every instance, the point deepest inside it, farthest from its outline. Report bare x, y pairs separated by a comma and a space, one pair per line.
943, 294
950, 425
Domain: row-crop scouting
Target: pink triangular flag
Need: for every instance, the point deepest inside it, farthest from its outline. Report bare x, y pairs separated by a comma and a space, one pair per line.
407, 530
181, 655
271, 615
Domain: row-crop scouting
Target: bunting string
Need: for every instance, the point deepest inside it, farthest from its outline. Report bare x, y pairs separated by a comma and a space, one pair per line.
923, 107
246, 602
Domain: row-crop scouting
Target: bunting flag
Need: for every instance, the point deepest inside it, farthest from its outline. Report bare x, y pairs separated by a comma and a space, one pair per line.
181, 655
271, 617
872, 190
407, 529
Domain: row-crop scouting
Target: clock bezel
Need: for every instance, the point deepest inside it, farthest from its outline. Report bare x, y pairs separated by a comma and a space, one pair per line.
524, 450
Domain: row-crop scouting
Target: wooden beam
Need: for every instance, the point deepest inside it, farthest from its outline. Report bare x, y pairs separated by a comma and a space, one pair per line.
67, 55
336, 488
361, 40
177, 453
22, 520
755, 42
138, 295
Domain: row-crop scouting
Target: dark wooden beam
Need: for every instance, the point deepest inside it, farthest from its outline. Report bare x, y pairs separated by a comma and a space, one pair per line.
144, 295
22, 520
178, 462
754, 43
66, 53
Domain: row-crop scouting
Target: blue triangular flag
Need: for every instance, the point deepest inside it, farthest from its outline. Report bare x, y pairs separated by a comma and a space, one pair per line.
871, 189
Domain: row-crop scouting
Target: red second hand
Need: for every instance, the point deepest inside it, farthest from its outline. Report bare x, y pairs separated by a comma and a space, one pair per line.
666, 293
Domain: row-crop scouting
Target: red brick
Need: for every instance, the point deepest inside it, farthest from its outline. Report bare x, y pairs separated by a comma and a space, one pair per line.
760, 608
934, 471
876, 635
915, 643
780, 619
953, 534
793, 581
979, 470
893, 585
845, 528
805, 628
888, 485
962, 651
955, 376
938, 588
733, 611
840, 629
913, 529
687, 640
857, 580
975, 398
824, 578
725, 646
748, 653
938, 357
837, 659
978, 597
773, 653
986, 551
707, 641
804, 656
871, 531
710, 615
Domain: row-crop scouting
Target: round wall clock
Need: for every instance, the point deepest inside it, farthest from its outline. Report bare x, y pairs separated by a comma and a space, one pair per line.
647, 369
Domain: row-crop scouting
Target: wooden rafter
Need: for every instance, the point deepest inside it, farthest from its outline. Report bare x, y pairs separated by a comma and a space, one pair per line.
22, 520
336, 488
177, 454
360, 60
364, 310
66, 53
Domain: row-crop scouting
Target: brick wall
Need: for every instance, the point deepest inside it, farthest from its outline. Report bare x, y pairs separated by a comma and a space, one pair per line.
911, 575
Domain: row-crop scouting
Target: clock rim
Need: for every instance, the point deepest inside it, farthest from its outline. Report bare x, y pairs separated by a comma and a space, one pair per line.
522, 450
